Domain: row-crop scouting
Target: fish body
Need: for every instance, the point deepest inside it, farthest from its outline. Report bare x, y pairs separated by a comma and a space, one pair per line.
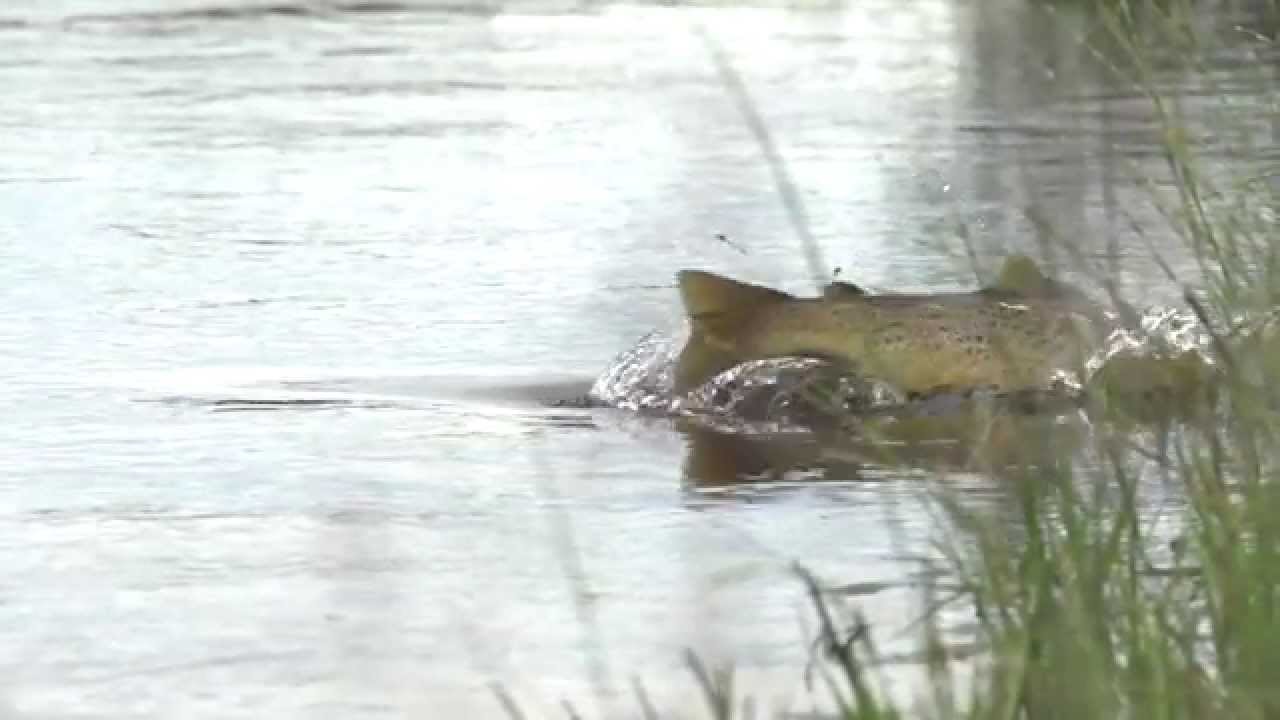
1012, 335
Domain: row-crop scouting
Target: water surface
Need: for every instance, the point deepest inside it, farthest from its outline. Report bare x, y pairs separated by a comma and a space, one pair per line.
292, 293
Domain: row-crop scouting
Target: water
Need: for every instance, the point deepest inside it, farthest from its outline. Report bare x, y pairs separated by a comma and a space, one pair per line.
298, 298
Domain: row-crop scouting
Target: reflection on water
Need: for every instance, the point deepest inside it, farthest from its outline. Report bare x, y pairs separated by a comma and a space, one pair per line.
407, 235
961, 442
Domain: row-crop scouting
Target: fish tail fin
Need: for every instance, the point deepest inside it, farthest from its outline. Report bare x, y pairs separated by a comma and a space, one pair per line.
720, 313
702, 359
1020, 273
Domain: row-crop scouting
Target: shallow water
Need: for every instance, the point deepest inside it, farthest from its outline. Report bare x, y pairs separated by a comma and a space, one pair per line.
293, 292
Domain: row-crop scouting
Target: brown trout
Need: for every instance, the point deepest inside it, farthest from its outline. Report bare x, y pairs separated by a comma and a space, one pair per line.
1014, 334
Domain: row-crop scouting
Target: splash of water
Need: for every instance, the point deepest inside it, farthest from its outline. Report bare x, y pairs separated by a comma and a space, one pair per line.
641, 378
772, 395
1161, 332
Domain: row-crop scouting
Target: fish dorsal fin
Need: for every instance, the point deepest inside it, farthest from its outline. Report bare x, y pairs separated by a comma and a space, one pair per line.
1020, 274
707, 293
837, 289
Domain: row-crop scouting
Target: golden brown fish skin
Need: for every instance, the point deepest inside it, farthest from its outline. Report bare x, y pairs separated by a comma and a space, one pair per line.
919, 344
1010, 336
